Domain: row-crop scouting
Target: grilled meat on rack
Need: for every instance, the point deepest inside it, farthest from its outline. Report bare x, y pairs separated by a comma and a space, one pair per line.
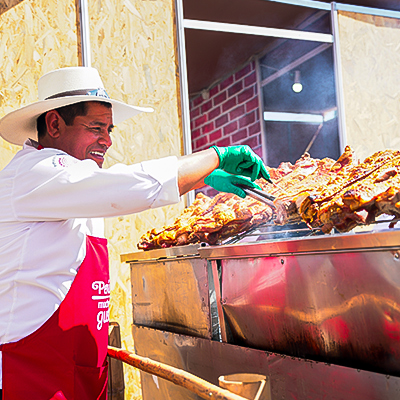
372, 191
327, 207
300, 183
322, 193
209, 220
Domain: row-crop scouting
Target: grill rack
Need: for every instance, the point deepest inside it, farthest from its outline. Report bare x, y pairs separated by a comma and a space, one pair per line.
269, 231
272, 231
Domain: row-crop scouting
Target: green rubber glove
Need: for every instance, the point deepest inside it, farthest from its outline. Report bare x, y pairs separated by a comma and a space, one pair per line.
241, 160
224, 182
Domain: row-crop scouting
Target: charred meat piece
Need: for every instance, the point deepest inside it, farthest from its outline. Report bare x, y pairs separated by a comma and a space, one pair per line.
376, 194
289, 201
209, 220
363, 190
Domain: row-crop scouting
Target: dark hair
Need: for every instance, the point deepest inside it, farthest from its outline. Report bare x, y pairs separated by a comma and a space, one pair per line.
67, 113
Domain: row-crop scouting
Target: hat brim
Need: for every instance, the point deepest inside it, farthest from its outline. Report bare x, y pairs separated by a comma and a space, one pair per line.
19, 125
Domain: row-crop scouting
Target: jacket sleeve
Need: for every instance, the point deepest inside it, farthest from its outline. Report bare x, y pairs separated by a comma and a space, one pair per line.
61, 187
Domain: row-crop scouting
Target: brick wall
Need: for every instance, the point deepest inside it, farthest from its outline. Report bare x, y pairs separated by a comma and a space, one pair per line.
227, 115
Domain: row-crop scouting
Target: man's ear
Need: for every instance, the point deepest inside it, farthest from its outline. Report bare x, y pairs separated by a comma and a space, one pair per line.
54, 123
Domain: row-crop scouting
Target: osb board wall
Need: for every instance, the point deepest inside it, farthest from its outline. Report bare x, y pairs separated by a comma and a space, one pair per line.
370, 53
36, 37
133, 47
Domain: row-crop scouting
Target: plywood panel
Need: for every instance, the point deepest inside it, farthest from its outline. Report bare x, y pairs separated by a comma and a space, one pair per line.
133, 47
370, 53
36, 37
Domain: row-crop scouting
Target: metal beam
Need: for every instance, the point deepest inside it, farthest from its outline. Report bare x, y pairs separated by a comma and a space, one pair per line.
261, 111
342, 7
257, 30
85, 33
337, 64
184, 88
295, 63
305, 3
368, 10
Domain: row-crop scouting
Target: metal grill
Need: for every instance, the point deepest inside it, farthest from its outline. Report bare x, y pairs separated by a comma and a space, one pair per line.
270, 231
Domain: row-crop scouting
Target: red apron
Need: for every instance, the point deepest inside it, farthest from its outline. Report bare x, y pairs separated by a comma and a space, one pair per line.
66, 357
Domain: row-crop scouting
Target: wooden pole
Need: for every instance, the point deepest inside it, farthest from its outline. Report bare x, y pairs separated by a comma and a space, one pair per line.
202, 388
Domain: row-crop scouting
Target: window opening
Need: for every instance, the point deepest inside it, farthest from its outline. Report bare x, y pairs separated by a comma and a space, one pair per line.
228, 61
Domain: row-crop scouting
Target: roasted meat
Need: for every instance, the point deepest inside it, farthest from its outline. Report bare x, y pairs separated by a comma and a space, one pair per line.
178, 233
289, 199
327, 208
375, 193
209, 220
321, 183
323, 193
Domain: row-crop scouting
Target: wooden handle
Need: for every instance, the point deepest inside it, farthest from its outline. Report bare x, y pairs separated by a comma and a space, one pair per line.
202, 388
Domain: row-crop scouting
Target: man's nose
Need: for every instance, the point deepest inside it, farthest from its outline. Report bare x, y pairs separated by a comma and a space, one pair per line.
105, 139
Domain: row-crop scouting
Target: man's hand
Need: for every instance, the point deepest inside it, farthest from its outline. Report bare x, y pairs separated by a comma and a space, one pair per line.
241, 160
224, 182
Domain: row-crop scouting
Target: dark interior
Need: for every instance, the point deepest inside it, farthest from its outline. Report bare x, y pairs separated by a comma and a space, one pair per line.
213, 55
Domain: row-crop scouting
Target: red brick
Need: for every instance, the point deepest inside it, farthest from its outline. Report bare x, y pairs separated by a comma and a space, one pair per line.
227, 82
219, 99
214, 113
252, 142
230, 128
247, 119
208, 128
195, 133
237, 112
229, 104
252, 104
224, 142
245, 95
222, 120
206, 106
250, 80
195, 112
244, 71
200, 121
236, 88
201, 142
215, 136
214, 91
240, 135
255, 128
197, 101
258, 151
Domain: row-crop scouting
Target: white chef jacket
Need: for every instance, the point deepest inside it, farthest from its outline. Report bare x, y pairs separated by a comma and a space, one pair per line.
49, 202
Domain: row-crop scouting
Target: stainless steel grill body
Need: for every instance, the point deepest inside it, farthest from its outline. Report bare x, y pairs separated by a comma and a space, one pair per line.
330, 299
172, 293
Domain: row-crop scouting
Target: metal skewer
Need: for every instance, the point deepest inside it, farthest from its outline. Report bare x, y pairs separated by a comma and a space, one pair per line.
258, 194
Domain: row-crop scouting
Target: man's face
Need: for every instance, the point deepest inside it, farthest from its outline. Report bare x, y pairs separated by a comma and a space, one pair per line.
89, 136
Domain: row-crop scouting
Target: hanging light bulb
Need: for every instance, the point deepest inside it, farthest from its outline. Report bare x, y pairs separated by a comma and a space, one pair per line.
297, 87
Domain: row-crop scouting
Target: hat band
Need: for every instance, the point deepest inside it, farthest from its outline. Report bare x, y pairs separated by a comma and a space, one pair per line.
100, 92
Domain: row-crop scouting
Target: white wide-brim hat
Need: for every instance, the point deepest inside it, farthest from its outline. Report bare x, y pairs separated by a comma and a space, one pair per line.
60, 88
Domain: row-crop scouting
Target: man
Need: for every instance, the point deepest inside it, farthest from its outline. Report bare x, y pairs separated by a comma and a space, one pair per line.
54, 278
